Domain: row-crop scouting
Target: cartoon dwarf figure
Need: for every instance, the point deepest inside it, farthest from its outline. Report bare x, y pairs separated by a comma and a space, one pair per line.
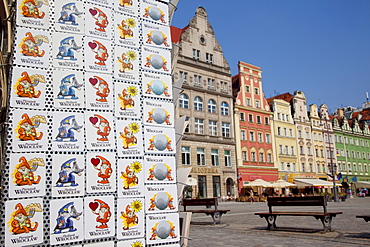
124, 3
67, 48
130, 219
125, 28
101, 53
69, 13
25, 171
21, 222
126, 98
67, 87
129, 178
103, 213
103, 128
102, 89
125, 61
66, 130
128, 137
101, 19
105, 170
30, 8
67, 171
30, 45
26, 85
27, 128
64, 220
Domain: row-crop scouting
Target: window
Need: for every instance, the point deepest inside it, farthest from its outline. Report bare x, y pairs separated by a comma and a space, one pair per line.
269, 158
184, 76
243, 135
196, 54
356, 142
201, 161
256, 91
262, 157
197, 80
280, 149
316, 152
184, 101
301, 151
351, 141
211, 106
185, 154
282, 166
199, 126
308, 135
291, 132
345, 140
285, 132
267, 121
294, 167
244, 156
216, 186
318, 168
367, 144
198, 103
247, 89
303, 168
214, 157
209, 58
225, 129
202, 185
268, 139
286, 150
187, 128
224, 108
251, 136
242, 116
212, 127
253, 156
227, 154
224, 87
259, 120
311, 167
260, 138
249, 102
309, 150
250, 118
292, 150
279, 131
299, 134
258, 104
211, 83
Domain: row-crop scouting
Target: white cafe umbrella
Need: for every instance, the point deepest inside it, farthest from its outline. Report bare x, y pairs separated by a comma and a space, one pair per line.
282, 184
259, 183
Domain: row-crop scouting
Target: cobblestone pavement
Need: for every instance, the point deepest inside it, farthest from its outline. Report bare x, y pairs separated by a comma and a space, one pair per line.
240, 227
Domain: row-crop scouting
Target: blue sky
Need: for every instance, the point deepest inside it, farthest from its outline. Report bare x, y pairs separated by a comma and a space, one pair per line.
320, 47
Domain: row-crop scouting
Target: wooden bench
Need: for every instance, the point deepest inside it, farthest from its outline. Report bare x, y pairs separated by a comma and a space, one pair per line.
208, 202
325, 216
365, 217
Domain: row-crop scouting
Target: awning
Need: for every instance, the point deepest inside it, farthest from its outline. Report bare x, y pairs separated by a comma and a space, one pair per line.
365, 184
302, 182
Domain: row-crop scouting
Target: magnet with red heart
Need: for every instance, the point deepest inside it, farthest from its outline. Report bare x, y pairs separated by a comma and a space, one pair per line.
94, 120
93, 81
92, 45
95, 161
93, 205
93, 12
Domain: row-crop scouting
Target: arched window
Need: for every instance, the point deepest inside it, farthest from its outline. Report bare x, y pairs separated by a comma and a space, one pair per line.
211, 106
184, 101
198, 103
224, 108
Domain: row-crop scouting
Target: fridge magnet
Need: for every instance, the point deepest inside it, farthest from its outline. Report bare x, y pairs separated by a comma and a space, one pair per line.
159, 140
33, 47
131, 218
126, 65
161, 198
106, 3
157, 85
27, 178
156, 59
154, 11
99, 127
162, 228
98, 55
126, 31
33, 13
99, 217
101, 244
156, 35
66, 220
130, 178
68, 131
68, 89
99, 22
130, 138
68, 175
140, 242
160, 169
67, 51
70, 16
158, 113
101, 86
129, 7
25, 222
101, 172
30, 131
127, 100
29, 88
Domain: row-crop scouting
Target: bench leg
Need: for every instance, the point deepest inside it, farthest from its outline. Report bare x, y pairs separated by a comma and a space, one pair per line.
216, 218
326, 222
271, 221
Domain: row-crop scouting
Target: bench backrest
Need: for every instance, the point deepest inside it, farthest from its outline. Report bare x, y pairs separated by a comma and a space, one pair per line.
200, 202
297, 201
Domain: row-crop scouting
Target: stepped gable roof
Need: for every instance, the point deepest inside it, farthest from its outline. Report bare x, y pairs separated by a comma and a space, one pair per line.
176, 33
285, 96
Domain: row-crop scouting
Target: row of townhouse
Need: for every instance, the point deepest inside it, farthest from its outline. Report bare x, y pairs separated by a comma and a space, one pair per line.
234, 135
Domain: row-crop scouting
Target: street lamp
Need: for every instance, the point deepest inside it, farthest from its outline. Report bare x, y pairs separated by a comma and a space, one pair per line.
332, 167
